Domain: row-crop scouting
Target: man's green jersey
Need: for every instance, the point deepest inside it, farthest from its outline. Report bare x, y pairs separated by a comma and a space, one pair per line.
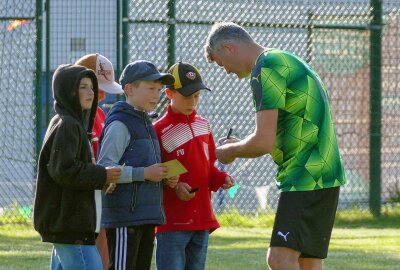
306, 149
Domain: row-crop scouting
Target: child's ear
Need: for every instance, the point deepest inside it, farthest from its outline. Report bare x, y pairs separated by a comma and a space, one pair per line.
128, 89
168, 93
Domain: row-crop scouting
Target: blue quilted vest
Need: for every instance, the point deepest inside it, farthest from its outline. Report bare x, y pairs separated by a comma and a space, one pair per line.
136, 203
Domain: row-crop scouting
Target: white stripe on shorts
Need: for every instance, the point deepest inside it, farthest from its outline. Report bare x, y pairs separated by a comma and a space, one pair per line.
121, 248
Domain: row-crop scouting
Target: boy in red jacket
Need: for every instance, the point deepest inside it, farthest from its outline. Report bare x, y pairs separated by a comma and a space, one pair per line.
182, 242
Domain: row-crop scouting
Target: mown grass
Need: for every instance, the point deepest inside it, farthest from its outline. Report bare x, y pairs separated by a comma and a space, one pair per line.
21, 248
351, 249
359, 242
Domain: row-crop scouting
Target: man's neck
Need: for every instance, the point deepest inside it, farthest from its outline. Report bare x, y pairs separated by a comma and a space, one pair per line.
256, 51
253, 51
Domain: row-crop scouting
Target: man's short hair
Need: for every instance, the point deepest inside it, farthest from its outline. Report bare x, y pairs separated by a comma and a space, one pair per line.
222, 32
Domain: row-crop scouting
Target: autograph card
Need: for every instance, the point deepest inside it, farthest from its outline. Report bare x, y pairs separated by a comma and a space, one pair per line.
174, 168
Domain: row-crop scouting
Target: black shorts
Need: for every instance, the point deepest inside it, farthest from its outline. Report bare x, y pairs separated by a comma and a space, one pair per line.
304, 221
130, 247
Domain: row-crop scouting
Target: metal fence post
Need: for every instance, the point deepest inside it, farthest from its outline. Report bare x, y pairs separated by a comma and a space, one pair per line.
125, 38
309, 35
171, 32
119, 25
375, 107
38, 78
48, 68
120, 44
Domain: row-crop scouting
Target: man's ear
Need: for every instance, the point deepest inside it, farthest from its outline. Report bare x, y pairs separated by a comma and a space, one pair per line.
168, 93
228, 47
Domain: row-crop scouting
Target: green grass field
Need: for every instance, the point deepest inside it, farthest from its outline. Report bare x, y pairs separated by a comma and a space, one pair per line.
358, 243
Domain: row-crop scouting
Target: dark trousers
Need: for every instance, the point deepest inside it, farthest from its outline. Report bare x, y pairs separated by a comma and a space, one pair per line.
130, 248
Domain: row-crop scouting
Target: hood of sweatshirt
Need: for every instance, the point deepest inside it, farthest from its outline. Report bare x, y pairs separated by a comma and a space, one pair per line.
66, 81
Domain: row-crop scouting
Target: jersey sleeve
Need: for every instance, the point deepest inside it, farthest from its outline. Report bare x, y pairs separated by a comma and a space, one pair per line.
268, 85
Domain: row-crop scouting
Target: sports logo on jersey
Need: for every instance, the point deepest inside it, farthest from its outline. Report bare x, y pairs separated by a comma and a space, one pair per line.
180, 152
166, 128
284, 236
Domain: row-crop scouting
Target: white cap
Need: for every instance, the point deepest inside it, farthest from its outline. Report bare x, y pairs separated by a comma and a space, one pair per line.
105, 76
104, 71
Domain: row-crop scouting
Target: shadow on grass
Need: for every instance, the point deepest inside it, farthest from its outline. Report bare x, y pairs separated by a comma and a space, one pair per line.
223, 256
350, 259
254, 258
236, 259
226, 240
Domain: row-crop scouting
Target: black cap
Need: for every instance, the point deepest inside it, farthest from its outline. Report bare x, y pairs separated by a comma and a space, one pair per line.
187, 79
144, 71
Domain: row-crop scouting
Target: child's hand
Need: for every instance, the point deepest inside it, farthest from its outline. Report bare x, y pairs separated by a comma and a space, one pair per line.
182, 191
113, 175
172, 181
155, 172
229, 182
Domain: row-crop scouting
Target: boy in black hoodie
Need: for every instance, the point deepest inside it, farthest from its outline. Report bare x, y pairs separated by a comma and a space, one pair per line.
67, 207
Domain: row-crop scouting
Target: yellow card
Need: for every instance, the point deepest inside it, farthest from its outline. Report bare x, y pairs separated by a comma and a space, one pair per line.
174, 168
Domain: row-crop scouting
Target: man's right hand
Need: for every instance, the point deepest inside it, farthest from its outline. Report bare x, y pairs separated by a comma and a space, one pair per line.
223, 154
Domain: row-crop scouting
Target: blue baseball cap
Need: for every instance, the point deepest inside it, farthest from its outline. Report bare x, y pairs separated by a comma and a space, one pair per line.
144, 71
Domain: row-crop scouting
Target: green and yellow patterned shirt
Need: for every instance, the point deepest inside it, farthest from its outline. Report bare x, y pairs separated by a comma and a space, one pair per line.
306, 150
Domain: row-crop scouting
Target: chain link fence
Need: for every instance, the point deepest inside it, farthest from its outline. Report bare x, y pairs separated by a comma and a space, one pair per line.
337, 37
17, 105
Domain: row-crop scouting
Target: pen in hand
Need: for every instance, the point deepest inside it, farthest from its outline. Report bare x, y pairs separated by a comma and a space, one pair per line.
229, 133
112, 185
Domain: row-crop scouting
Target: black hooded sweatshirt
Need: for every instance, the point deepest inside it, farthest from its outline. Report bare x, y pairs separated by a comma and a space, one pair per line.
64, 206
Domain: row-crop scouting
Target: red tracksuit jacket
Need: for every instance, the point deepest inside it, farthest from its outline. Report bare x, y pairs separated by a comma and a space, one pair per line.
97, 129
189, 139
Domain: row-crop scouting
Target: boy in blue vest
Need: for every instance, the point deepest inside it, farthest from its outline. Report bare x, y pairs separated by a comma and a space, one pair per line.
132, 211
